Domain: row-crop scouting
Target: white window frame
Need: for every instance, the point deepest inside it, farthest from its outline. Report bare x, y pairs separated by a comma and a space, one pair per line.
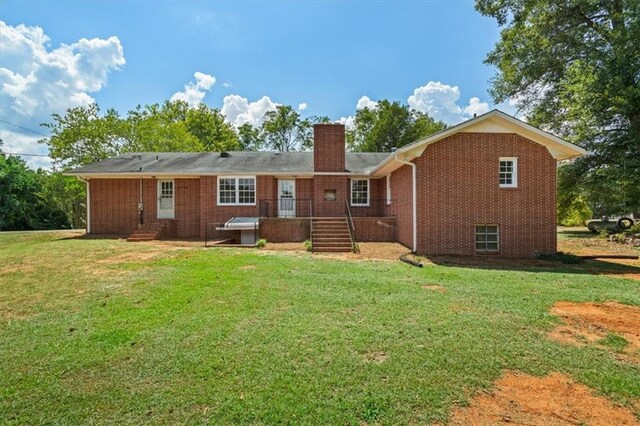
388, 189
368, 192
237, 190
514, 173
476, 233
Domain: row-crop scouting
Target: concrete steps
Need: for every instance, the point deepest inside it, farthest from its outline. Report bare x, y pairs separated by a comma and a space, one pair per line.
331, 235
147, 232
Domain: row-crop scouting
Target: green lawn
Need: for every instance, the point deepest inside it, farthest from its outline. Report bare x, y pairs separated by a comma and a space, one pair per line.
98, 331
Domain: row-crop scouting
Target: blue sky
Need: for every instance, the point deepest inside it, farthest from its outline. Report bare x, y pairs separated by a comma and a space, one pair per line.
319, 56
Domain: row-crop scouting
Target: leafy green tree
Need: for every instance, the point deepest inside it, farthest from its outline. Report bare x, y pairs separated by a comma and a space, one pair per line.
283, 130
574, 69
23, 203
389, 125
82, 136
250, 137
153, 129
66, 194
211, 128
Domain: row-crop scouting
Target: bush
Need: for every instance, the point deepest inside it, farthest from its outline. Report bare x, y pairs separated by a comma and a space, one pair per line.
308, 245
560, 257
261, 243
635, 229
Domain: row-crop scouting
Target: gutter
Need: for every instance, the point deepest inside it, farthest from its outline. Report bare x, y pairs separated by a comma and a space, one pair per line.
415, 200
86, 181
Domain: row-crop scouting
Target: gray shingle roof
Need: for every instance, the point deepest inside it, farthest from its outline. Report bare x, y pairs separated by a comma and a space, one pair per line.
211, 163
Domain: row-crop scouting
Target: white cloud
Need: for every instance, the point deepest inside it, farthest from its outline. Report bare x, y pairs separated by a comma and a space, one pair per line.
475, 107
303, 106
239, 110
227, 84
195, 91
36, 82
365, 102
440, 101
349, 122
14, 142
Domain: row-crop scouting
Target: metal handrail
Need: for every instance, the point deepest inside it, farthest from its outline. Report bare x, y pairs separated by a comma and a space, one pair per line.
351, 228
311, 223
270, 207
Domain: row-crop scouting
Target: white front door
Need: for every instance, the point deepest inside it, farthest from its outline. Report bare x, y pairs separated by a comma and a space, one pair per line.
286, 198
166, 196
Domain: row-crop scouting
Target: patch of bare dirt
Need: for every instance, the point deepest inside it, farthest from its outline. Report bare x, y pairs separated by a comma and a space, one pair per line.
435, 287
589, 323
294, 247
17, 267
376, 357
551, 400
131, 256
368, 251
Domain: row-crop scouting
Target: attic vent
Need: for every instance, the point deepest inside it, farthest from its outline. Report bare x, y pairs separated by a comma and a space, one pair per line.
225, 155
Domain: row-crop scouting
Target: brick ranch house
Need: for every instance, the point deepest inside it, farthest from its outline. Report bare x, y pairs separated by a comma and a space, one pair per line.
485, 186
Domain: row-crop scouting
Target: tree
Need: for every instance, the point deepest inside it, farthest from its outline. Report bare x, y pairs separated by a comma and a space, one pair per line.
157, 128
389, 125
284, 130
573, 68
23, 203
250, 137
211, 128
82, 136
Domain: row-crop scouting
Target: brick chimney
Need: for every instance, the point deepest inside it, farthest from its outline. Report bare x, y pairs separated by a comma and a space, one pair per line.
328, 148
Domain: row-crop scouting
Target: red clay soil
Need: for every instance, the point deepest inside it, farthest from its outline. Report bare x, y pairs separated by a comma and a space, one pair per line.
377, 251
520, 399
588, 323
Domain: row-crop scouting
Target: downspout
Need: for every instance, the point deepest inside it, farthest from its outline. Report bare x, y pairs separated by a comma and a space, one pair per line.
88, 189
415, 200
141, 207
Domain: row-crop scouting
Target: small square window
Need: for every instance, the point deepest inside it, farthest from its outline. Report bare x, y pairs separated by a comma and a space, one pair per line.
487, 238
508, 172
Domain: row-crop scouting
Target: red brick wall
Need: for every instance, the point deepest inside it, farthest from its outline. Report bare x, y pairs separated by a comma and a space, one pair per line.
284, 230
114, 205
304, 193
329, 208
401, 193
374, 229
187, 204
329, 148
376, 203
458, 188
211, 213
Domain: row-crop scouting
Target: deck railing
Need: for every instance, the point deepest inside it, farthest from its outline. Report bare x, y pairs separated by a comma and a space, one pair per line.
286, 207
375, 208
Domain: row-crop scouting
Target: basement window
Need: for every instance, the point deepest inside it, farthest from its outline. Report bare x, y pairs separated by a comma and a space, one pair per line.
236, 191
360, 192
487, 238
508, 173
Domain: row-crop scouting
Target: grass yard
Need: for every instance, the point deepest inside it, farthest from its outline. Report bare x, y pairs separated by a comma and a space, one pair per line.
103, 331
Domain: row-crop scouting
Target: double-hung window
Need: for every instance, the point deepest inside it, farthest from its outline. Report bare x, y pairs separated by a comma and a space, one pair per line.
508, 173
360, 192
487, 238
233, 191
